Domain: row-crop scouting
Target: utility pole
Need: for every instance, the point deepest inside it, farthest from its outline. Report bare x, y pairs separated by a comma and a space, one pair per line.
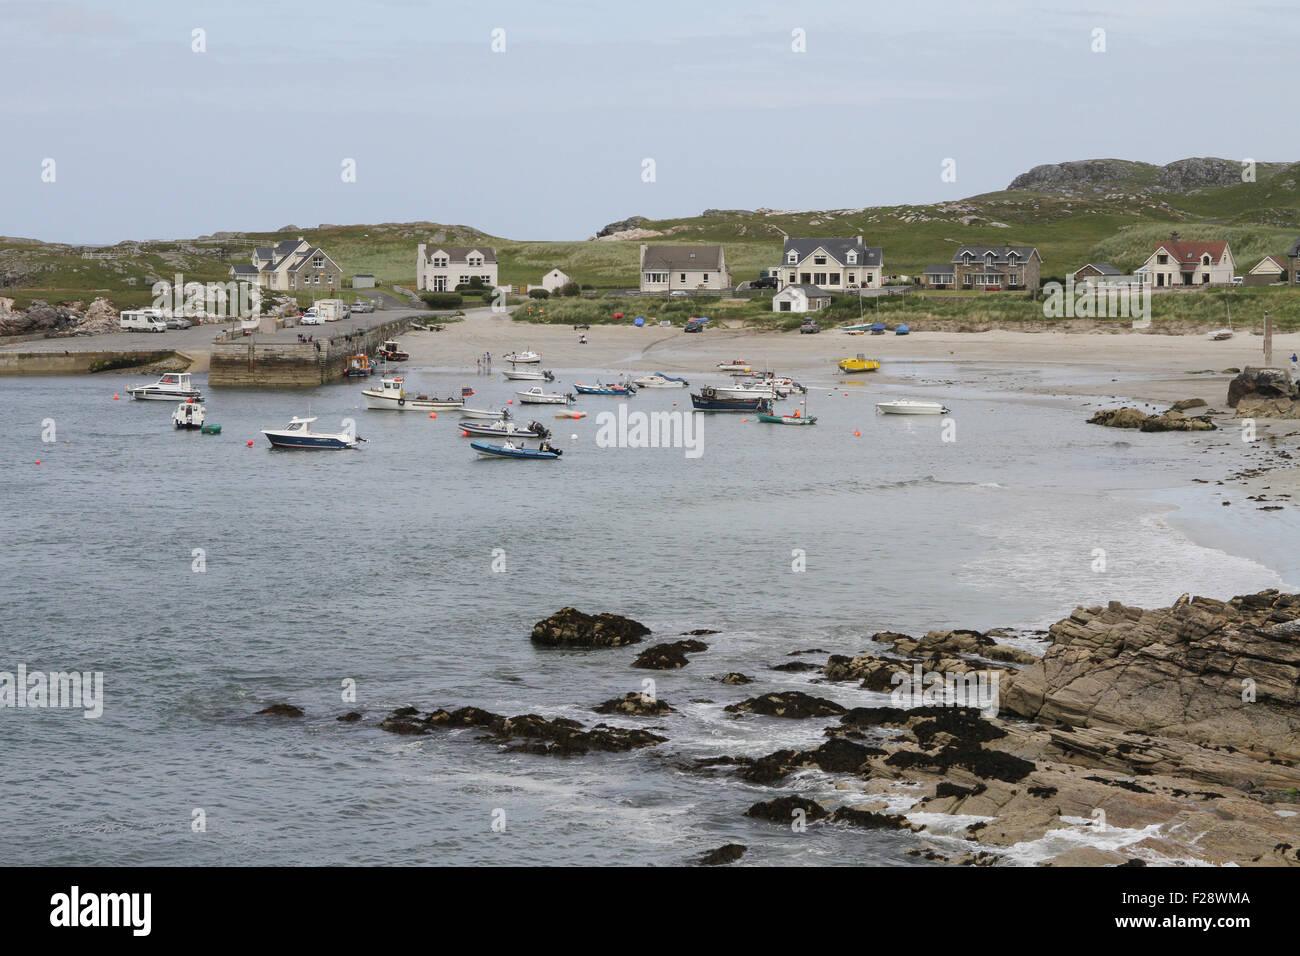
1268, 341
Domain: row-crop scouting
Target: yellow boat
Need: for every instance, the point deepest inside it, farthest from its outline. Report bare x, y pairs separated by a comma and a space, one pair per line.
859, 364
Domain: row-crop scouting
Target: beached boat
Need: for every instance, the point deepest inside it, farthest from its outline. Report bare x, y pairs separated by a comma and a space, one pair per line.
391, 394
535, 396
795, 419
735, 365
188, 414
543, 452
171, 387
911, 408
523, 358
860, 363
660, 380
879, 328
484, 413
529, 374
504, 428
603, 389
902, 330
358, 366
1220, 335
708, 400
298, 435
390, 351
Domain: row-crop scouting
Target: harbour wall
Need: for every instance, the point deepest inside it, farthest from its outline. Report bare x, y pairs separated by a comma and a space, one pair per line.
51, 362
248, 363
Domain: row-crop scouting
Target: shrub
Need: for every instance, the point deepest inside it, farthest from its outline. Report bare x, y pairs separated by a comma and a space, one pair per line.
442, 300
569, 288
538, 294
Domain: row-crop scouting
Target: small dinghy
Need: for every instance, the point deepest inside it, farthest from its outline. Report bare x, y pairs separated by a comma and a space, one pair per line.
535, 396
902, 330
660, 380
735, 365
484, 413
504, 429
188, 414
543, 452
795, 419
603, 389
523, 358
911, 408
529, 375
297, 434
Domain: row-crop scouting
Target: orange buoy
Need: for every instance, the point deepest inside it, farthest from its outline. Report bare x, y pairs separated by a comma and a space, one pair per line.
463, 433
250, 443
114, 397
433, 414
857, 434
38, 463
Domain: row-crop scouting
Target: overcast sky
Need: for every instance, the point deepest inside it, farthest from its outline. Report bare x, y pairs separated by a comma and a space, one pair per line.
547, 138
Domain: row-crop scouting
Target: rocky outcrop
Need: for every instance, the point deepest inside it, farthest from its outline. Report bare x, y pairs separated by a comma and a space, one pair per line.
1076, 176
787, 809
1091, 177
569, 627
280, 710
1255, 384
1268, 408
793, 704
1170, 421
1185, 175
526, 733
634, 705
1186, 403
39, 317
727, 853
670, 656
622, 225
1219, 674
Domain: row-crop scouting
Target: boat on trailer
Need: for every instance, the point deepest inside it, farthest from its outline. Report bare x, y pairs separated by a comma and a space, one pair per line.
169, 388
904, 407
543, 452
298, 434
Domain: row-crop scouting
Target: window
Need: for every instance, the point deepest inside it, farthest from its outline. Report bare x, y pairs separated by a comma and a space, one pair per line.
1162, 259
819, 260
463, 280
1205, 260
792, 258
487, 280
706, 277
785, 305
819, 278
851, 258
683, 277
440, 262
652, 278
792, 278
833, 278
853, 279
868, 279
807, 278
318, 262
475, 261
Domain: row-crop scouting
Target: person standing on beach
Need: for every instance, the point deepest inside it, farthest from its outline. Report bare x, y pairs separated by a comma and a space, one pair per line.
1295, 361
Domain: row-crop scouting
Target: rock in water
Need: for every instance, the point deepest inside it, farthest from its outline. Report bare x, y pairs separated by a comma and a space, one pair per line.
794, 704
782, 809
664, 657
569, 627
281, 710
1171, 421
1219, 674
727, 853
1127, 417
1262, 383
634, 704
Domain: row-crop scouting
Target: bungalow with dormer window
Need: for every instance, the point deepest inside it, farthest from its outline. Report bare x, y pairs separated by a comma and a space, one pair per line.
443, 268
683, 268
1176, 262
831, 264
291, 265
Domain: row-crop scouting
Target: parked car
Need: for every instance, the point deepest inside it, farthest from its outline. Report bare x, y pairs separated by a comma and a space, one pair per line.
678, 292
766, 282
310, 318
809, 327
1236, 280
694, 325
178, 322
363, 305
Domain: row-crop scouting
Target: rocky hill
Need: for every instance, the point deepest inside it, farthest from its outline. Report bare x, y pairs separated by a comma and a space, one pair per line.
1102, 176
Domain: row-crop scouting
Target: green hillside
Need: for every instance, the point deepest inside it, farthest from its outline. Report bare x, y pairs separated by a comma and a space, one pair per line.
1117, 220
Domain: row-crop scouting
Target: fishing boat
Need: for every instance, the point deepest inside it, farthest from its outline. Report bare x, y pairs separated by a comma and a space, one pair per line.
902, 330
358, 366
504, 428
603, 389
735, 365
911, 408
660, 380
169, 388
391, 394
795, 419
529, 374
708, 400
860, 363
523, 358
535, 396
543, 452
484, 413
188, 414
390, 351
756, 390
297, 434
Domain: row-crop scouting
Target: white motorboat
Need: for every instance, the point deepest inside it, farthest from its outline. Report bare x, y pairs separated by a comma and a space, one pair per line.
754, 390
782, 383
188, 414
1219, 335
905, 407
535, 396
660, 380
735, 365
528, 374
484, 413
391, 394
297, 434
169, 388
523, 358
504, 429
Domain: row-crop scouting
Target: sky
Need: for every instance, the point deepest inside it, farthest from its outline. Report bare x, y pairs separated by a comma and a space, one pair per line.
535, 120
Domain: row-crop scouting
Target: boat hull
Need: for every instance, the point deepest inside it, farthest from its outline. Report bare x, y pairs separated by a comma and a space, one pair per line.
786, 419
482, 413
703, 404
156, 395
306, 442
911, 408
489, 450
516, 375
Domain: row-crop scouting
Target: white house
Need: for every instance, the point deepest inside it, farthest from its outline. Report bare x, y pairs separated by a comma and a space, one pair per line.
291, 265
831, 264
553, 280
442, 268
800, 298
670, 268
1179, 263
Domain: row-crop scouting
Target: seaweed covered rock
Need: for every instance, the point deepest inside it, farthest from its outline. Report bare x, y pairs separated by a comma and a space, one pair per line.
569, 627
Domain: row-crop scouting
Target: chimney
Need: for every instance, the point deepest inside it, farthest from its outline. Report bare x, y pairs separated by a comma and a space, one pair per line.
1173, 237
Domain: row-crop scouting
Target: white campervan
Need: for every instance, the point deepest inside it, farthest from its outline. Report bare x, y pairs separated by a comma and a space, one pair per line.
147, 320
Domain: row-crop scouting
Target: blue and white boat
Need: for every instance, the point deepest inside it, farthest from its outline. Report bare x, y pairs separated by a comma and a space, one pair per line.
297, 434
709, 400
603, 389
505, 429
660, 380
510, 450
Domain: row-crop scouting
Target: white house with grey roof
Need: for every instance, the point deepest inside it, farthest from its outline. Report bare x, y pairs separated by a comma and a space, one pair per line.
291, 265
688, 268
831, 264
800, 298
442, 268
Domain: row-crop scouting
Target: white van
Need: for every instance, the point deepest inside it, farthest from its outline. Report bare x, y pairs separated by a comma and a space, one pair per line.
146, 320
